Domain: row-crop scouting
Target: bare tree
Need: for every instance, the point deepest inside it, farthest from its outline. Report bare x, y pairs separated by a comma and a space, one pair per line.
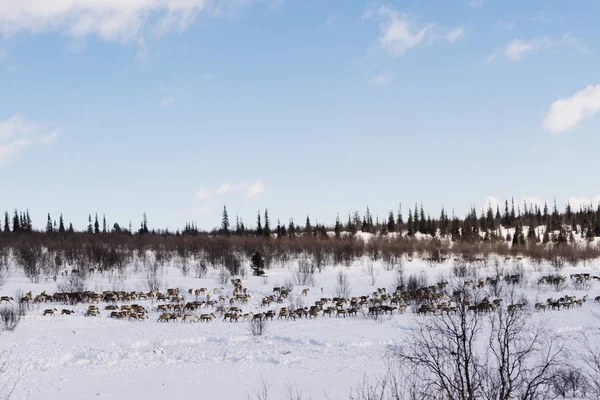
261, 393
342, 288
153, 277
258, 326
591, 360
223, 276
522, 357
304, 275
443, 351
10, 317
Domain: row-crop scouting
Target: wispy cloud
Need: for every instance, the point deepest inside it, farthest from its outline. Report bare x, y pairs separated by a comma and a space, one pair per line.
249, 188
566, 114
518, 49
400, 33
475, 3
508, 24
454, 34
167, 101
17, 134
381, 79
113, 20
50, 137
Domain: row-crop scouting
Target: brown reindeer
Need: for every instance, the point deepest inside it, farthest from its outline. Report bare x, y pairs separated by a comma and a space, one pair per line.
50, 311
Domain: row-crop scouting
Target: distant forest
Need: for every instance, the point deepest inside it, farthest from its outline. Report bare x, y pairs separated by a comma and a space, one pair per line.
531, 223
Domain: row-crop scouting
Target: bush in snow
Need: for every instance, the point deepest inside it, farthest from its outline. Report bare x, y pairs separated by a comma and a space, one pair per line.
258, 327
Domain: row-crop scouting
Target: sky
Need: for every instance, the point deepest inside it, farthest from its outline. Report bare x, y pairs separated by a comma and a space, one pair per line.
176, 108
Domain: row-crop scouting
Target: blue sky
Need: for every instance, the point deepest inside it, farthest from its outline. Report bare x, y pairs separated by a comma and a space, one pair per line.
176, 108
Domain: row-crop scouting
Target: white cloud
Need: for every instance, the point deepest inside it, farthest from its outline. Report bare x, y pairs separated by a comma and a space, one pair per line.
250, 188
204, 193
167, 101
566, 114
381, 79
453, 35
18, 134
398, 33
255, 189
114, 20
517, 48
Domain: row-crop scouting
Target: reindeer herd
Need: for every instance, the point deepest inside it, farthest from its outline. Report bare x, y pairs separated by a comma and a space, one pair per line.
208, 305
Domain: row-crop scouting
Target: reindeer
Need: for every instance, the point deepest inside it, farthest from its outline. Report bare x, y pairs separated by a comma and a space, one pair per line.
50, 311
305, 292
207, 317
7, 299
67, 312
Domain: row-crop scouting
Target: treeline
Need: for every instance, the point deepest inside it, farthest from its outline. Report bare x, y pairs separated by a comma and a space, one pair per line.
543, 225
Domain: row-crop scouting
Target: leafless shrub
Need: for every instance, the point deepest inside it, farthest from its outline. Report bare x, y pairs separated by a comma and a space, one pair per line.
183, 263
10, 317
4, 271
257, 327
232, 263
293, 393
444, 353
460, 269
30, 259
304, 275
558, 263
342, 288
261, 393
153, 277
223, 276
201, 268
74, 282
399, 281
569, 383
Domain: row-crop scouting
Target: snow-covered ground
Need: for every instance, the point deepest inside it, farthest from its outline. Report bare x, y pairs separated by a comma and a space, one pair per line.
78, 357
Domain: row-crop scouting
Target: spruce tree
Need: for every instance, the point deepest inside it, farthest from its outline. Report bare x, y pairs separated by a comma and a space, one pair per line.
259, 228
411, 225
308, 226
391, 224
291, 229
400, 220
90, 228
96, 225
6, 223
71, 230
16, 223
225, 222
238, 230
422, 222
257, 264
267, 229
338, 227
104, 227
531, 236
49, 224
61, 224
